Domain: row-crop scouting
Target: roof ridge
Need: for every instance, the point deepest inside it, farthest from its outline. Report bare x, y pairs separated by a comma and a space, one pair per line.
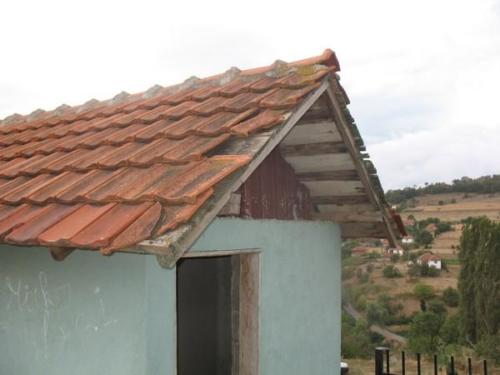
278, 68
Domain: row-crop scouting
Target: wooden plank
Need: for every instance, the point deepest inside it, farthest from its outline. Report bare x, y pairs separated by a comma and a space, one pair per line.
340, 199
313, 149
322, 188
312, 133
331, 175
217, 253
354, 208
172, 250
320, 163
342, 217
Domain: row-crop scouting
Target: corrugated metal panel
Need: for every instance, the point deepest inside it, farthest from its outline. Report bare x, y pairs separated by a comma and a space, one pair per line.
274, 192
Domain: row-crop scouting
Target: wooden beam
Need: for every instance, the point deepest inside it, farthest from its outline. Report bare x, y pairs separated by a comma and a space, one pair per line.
343, 217
348, 138
324, 188
320, 163
340, 199
363, 230
175, 243
340, 175
354, 208
313, 132
60, 253
313, 149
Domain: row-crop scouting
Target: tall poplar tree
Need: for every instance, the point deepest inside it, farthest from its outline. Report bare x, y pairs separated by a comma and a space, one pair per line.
479, 280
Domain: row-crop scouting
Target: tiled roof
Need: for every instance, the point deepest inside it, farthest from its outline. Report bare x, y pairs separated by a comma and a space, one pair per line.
107, 175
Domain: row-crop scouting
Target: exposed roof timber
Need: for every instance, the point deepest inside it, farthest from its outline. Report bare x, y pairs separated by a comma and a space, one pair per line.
350, 141
173, 245
363, 230
353, 208
344, 216
323, 188
60, 253
341, 199
314, 132
331, 175
313, 149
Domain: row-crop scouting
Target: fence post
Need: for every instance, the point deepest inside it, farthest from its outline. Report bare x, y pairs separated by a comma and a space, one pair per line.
379, 359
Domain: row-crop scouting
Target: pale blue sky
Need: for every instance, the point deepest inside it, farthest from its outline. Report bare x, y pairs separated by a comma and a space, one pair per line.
423, 76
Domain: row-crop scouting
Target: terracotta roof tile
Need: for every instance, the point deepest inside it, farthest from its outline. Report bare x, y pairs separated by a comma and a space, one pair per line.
106, 175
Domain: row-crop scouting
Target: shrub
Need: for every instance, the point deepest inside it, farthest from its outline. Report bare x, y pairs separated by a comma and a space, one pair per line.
376, 313
391, 271
369, 268
437, 307
423, 291
451, 297
395, 258
373, 255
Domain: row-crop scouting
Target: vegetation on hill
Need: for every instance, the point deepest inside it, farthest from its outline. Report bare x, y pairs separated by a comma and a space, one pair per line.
480, 185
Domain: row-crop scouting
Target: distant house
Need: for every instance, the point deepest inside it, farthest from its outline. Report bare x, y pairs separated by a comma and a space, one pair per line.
223, 202
407, 240
395, 250
430, 260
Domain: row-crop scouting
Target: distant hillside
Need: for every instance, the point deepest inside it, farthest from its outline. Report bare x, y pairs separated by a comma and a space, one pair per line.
480, 185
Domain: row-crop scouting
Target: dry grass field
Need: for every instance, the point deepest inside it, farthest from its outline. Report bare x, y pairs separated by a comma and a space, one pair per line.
473, 205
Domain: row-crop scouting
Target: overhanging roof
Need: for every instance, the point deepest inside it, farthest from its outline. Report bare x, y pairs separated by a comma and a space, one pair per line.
148, 172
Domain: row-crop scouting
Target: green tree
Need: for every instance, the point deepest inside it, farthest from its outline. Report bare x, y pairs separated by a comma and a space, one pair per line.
423, 291
437, 307
479, 280
424, 238
451, 297
449, 331
391, 271
424, 332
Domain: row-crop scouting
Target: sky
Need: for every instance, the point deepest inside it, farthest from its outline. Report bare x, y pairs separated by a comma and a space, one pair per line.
423, 76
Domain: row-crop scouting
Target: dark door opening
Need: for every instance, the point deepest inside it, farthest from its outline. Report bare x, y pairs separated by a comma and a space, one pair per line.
217, 315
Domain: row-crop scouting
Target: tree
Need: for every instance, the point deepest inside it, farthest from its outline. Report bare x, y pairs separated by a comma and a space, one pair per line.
424, 238
479, 280
424, 332
376, 313
423, 291
391, 271
449, 331
355, 338
451, 297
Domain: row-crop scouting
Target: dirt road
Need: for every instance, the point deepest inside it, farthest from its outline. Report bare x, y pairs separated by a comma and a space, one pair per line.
390, 336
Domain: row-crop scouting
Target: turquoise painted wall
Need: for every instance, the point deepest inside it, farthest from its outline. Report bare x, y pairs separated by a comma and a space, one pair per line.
96, 315
87, 315
300, 306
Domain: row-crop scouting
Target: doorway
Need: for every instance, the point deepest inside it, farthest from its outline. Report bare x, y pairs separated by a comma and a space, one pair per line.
217, 315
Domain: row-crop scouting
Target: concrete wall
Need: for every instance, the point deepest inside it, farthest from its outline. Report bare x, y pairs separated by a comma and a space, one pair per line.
96, 315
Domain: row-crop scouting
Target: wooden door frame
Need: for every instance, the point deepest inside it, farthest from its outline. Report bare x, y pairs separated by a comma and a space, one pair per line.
245, 306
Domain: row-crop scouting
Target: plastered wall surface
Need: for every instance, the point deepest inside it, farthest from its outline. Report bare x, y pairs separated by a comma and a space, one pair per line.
87, 315
300, 297
96, 315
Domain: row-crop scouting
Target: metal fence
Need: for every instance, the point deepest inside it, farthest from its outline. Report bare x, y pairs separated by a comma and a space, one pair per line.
382, 364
